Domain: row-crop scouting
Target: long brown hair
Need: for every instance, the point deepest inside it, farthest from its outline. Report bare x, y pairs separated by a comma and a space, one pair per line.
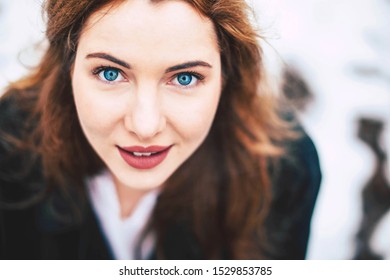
221, 194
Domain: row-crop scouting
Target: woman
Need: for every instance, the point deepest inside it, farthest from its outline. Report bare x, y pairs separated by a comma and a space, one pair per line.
148, 131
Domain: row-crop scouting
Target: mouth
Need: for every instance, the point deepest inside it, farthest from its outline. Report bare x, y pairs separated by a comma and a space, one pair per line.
144, 157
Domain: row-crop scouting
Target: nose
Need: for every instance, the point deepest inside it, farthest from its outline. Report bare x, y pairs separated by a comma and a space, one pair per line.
145, 118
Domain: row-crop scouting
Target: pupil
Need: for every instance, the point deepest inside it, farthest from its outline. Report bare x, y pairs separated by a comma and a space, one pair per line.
185, 79
111, 75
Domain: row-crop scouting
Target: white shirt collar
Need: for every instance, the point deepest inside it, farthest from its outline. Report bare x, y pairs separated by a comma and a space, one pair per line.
122, 234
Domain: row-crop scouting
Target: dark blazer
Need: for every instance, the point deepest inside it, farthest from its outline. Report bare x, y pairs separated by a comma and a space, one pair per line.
34, 232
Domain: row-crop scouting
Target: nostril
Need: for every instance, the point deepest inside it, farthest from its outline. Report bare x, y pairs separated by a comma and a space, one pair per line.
145, 123
145, 116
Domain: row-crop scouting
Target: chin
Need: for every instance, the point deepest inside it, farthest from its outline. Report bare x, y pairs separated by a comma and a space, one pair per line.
146, 181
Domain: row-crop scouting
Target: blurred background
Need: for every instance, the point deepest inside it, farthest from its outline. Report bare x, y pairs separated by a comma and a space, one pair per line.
334, 59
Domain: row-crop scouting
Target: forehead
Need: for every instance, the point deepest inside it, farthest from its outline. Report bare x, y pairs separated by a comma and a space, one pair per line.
156, 28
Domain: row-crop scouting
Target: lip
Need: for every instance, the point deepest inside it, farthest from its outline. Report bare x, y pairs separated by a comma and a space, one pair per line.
144, 162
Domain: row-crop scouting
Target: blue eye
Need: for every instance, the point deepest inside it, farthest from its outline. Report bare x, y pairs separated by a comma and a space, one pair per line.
110, 74
187, 79
184, 79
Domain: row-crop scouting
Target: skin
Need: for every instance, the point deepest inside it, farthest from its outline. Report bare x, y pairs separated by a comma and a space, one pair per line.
146, 104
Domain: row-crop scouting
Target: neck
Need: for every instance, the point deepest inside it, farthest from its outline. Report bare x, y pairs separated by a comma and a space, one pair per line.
128, 198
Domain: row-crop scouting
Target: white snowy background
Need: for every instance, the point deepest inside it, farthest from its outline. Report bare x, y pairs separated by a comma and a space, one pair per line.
326, 40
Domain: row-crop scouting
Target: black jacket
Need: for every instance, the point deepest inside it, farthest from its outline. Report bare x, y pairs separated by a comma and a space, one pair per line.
34, 232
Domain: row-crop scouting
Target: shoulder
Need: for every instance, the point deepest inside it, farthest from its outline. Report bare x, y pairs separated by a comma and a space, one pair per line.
20, 172
300, 162
298, 169
16, 117
296, 179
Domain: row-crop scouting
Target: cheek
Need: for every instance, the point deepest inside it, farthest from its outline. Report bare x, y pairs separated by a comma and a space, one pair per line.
194, 119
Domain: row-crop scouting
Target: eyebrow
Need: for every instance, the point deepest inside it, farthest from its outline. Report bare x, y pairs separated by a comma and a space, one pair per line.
110, 58
118, 61
188, 64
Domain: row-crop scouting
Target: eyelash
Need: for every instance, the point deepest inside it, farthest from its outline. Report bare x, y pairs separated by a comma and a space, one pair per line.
97, 71
197, 76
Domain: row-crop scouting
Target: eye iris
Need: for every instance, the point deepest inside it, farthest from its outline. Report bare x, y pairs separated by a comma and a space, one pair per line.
111, 74
184, 79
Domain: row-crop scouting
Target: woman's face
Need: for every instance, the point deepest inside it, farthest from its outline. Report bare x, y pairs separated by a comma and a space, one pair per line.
146, 83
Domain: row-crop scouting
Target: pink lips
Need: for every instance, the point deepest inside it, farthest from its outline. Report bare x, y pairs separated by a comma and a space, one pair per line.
144, 157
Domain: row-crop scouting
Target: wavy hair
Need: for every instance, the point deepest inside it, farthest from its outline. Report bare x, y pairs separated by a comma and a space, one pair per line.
221, 194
